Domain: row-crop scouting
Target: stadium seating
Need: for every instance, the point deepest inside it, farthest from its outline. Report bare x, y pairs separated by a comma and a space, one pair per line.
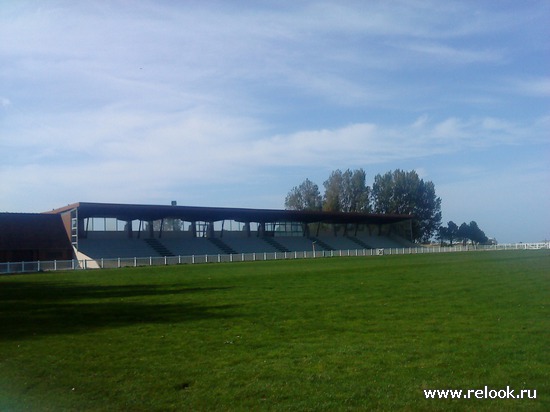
115, 248
115, 245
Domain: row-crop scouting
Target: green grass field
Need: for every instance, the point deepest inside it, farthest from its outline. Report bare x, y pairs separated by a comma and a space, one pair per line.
322, 334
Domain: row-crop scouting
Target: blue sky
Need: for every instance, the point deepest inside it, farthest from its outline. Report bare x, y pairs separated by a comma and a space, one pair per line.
232, 103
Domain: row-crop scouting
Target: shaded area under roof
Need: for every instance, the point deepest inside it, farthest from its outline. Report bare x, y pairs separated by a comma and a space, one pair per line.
128, 212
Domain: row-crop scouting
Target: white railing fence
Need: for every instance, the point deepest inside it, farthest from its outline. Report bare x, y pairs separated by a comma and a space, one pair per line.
75, 264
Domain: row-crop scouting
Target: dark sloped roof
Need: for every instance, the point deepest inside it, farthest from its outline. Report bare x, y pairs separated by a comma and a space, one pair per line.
128, 212
32, 231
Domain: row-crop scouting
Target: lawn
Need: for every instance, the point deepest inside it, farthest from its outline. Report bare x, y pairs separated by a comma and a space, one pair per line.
361, 333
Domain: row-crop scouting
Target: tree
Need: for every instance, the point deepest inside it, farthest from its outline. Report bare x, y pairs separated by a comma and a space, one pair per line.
357, 190
332, 200
476, 234
401, 192
306, 196
472, 232
450, 232
346, 192
463, 232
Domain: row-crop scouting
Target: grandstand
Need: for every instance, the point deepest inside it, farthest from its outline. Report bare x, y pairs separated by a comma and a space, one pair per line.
104, 231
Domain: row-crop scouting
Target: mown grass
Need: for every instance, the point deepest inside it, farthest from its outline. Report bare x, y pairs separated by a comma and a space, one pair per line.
323, 334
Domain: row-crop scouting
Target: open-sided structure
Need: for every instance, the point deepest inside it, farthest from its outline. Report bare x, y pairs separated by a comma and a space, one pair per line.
105, 230
100, 229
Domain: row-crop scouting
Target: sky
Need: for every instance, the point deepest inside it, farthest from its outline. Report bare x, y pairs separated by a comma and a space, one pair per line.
233, 103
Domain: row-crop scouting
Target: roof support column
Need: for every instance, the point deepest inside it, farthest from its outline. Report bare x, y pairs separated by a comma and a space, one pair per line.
161, 227
210, 229
128, 229
82, 232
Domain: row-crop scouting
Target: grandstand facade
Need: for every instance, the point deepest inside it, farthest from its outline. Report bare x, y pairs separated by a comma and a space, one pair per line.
103, 230
33, 237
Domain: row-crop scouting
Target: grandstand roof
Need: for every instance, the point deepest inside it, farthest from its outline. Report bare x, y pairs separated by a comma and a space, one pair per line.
128, 212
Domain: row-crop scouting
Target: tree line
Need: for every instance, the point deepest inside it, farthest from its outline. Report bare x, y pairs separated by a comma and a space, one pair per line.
454, 233
395, 192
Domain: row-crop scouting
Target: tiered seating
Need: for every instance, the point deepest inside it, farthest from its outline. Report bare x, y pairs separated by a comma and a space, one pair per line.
115, 248
191, 246
249, 245
382, 242
340, 242
296, 243
121, 247
403, 242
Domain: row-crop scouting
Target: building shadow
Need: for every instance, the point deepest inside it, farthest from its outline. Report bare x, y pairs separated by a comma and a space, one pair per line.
31, 309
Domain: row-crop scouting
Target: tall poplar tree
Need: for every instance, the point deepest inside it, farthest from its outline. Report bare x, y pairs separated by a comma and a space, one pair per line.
346, 191
401, 192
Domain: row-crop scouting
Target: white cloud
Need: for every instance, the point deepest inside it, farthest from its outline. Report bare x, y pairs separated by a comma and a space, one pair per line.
203, 144
538, 86
449, 54
200, 50
4, 102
